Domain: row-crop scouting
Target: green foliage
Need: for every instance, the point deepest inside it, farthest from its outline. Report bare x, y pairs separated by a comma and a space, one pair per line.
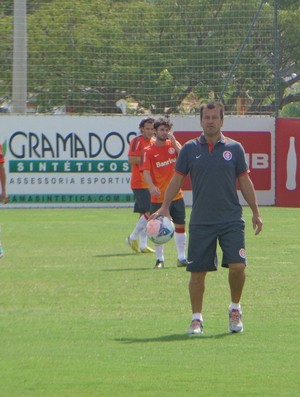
87, 54
288, 4
291, 110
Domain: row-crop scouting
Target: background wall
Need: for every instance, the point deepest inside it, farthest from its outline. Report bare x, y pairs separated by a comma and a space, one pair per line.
82, 160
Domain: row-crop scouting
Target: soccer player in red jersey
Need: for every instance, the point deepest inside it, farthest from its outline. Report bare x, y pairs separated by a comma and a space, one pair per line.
4, 198
138, 238
158, 169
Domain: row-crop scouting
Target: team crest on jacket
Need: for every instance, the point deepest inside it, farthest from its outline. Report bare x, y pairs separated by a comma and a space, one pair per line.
171, 150
227, 155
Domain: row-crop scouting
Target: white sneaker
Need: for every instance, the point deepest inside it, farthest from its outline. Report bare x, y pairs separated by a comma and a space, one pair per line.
182, 263
195, 328
1, 251
235, 321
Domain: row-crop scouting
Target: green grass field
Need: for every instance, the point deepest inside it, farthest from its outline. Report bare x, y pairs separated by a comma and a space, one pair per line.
81, 315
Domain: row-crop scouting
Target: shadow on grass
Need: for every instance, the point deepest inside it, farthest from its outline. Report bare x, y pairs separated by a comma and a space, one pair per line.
121, 255
113, 255
127, 269
171, 338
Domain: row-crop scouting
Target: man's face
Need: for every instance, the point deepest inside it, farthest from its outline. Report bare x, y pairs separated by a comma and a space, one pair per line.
162, 133
211, 121
147, 130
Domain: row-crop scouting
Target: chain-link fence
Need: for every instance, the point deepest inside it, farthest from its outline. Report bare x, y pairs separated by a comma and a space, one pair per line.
139, 57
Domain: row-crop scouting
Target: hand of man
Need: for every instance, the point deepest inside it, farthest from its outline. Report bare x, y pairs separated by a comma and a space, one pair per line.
257, 224
4, 199
161, 212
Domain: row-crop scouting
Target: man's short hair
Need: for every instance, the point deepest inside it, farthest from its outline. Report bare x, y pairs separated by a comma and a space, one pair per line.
167, 123
146, 120
212, 105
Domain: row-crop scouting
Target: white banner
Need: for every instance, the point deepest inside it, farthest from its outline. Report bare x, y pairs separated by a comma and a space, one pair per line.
82, 160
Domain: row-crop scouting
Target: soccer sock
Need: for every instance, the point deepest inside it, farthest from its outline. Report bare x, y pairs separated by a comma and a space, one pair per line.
197, 316
180, 241
235, 306
159, 250
143, 239
139, 227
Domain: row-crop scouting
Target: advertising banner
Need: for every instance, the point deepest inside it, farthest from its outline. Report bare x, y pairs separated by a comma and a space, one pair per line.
67, 161
288, 162
256, 134
82, 160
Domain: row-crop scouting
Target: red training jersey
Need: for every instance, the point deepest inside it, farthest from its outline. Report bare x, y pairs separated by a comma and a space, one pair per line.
136, 148
160, 161
2, 159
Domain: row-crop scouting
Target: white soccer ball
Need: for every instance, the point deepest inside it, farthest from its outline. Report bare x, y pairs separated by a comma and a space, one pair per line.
160, 230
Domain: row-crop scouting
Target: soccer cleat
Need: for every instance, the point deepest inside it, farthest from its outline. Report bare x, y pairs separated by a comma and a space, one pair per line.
147, 250
196, 328
235, 321
133, 244
182, 263
159, 264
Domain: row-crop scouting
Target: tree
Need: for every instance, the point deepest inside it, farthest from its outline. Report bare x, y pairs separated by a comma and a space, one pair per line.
290, 55
87, 54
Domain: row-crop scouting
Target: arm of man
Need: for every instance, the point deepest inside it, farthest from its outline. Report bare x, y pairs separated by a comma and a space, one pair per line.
175, 143
172, 189
154, 190
249, 195
4, 197
132, 160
